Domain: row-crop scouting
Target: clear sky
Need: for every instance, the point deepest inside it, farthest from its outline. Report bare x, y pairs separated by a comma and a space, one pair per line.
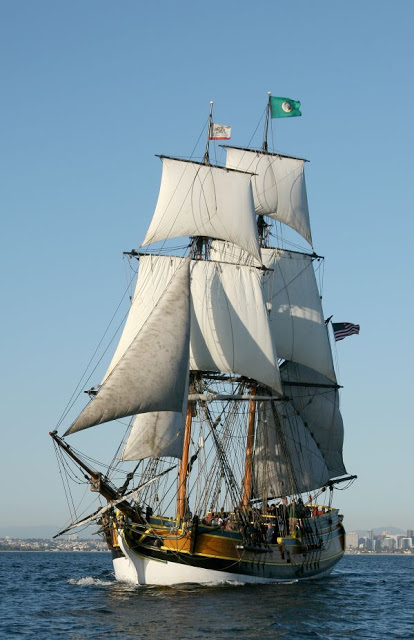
91, 90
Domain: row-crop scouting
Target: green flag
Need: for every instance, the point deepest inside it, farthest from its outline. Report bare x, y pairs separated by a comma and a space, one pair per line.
284, 107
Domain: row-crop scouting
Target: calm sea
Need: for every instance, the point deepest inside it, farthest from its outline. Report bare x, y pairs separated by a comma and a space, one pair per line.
74, 595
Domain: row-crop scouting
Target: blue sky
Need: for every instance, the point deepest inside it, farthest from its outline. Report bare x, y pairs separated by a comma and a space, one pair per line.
91, 91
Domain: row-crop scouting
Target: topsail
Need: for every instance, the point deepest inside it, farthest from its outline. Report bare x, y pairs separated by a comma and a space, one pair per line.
279, 188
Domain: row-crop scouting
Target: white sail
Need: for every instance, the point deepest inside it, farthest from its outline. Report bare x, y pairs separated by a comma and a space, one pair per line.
154, 277
319, 410
151, 374
201, 200
279, 188
294, 305
156, 434
287, 459
296, 315
229, 323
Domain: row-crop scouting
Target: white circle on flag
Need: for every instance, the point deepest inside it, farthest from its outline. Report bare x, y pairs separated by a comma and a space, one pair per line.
286, 107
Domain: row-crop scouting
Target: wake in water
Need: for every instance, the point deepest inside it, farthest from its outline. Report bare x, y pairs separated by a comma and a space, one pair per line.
89, 581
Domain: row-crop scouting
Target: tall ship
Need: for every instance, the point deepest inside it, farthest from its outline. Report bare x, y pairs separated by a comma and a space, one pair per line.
224, 371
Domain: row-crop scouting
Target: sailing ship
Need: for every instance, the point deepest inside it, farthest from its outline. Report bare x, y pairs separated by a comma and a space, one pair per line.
225, 368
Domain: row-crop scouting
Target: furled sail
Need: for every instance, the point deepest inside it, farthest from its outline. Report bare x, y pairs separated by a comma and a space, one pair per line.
151, 373
202, 200
319, 409
287, 459
279, 188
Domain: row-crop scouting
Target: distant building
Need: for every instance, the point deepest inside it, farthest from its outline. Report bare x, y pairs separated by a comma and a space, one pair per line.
377, 544
406, 543
389, 543
351, 540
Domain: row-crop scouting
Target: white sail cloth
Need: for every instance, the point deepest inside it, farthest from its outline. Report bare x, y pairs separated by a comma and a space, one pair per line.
279, 189
151, 373
294, 305
228, 337
299, 443
201, 200
157, 434
319, 410
287, 459
154, 435
296, 316
229, 323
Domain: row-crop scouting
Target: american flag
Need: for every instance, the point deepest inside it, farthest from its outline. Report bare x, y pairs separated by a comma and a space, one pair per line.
344, 329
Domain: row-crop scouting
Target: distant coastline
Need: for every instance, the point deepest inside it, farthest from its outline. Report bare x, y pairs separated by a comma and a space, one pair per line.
87, 545
69, 544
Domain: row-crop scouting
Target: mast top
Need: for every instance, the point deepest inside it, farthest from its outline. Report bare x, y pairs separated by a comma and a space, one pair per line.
206, 158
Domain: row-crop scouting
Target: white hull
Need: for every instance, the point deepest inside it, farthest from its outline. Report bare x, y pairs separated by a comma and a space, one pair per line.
136, 570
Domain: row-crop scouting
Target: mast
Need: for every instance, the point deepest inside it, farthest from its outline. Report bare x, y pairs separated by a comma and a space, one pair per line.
248, 467
262, 226
182, 475
206, 158
264, 145
199, 243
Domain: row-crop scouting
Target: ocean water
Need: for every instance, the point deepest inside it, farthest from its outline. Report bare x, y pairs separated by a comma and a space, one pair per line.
74, 595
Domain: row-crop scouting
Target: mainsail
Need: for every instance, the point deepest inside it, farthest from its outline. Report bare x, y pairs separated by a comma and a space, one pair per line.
317, 402
299, 442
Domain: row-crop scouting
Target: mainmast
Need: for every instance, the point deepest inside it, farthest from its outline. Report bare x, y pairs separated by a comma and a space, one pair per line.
248, 467
199, 244
182, 475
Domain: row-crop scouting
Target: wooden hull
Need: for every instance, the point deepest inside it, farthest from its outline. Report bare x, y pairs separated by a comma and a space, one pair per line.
212, 555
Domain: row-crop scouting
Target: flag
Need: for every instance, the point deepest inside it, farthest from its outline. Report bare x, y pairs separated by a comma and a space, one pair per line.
220, 132
284, 107
344, 329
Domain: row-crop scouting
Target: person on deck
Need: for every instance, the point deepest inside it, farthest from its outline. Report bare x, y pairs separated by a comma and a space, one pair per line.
293, 516
283, 516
